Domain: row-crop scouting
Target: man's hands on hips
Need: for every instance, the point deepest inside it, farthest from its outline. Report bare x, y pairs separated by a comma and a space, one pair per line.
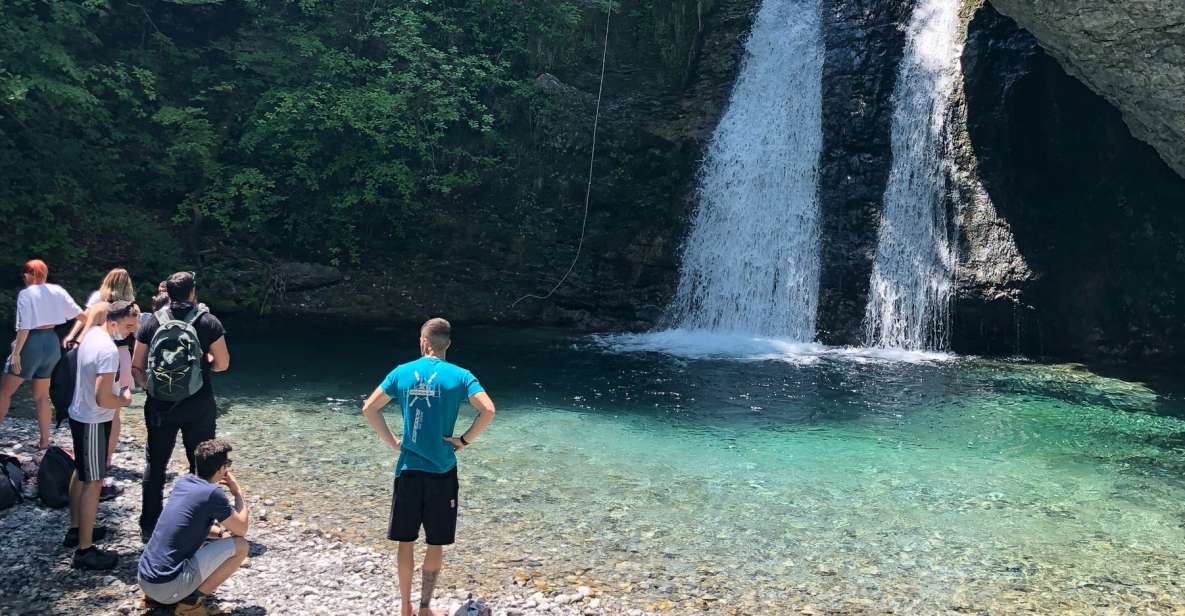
457, 444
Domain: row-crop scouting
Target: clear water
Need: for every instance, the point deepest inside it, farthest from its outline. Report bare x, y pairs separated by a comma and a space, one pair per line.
751, 260
846, 480
910, 290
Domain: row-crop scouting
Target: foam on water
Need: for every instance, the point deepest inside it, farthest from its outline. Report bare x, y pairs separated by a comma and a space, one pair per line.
880, 354
704, 344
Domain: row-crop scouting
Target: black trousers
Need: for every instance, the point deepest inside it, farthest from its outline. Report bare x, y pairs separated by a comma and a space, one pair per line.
195, 419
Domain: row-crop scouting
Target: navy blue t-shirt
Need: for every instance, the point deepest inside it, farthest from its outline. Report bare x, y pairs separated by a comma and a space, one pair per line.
193, 506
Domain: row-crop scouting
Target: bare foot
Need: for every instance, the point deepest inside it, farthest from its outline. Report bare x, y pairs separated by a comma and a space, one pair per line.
406, 610
42, 445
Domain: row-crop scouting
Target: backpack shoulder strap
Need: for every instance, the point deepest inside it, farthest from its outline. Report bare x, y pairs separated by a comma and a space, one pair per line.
164, 315
196, 313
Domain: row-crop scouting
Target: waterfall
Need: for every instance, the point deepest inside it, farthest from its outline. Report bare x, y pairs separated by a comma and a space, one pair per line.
751, 260
909, 293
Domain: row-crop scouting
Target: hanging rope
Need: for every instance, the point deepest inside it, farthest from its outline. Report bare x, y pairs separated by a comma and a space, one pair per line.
591, 160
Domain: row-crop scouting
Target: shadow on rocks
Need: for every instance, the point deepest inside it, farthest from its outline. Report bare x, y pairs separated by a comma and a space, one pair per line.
245, 610
234, 610
255, 550
120, 473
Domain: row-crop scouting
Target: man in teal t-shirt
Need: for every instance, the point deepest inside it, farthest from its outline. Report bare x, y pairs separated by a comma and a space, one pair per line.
430, 391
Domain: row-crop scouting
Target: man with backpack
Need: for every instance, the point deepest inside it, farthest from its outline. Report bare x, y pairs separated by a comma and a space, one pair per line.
180, 346
97, 398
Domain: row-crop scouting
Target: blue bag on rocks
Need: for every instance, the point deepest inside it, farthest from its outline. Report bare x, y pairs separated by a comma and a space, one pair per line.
12, 481
53, 477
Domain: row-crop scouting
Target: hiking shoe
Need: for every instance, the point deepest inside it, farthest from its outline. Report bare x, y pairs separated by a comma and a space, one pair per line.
95, 559
71, 540
192, 606
109, 490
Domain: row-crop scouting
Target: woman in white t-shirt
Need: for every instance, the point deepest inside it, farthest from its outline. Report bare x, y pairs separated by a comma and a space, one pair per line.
39, 308
116, 287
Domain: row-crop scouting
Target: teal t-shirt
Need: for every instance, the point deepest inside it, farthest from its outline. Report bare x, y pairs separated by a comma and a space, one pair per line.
430, 392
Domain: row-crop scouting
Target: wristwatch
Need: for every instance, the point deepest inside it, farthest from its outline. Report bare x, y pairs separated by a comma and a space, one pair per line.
463, 441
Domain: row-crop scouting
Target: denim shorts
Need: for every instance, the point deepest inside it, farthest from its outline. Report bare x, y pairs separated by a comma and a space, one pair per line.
39, 356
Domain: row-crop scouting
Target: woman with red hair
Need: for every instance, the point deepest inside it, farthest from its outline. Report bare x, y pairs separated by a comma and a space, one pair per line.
39, 308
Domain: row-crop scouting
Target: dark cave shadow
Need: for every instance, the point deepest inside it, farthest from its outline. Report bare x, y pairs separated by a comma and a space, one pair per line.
1094, 211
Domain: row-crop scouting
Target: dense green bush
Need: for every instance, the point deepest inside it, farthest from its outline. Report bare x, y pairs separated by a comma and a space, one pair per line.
156, 134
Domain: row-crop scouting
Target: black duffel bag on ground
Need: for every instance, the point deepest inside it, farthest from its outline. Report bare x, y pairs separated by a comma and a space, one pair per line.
53, 477
12, 481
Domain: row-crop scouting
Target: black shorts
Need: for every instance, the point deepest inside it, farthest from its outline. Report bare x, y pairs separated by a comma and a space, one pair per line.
428, 500
90, 449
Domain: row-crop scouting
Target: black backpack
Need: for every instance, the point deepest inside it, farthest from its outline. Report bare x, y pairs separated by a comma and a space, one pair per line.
175, 356
61, 385
12, 481
53, 477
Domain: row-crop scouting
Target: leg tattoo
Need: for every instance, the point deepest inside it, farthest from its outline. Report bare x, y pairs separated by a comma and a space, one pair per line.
429, 585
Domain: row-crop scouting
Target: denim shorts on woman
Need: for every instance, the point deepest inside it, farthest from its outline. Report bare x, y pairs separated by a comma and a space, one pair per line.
40, 354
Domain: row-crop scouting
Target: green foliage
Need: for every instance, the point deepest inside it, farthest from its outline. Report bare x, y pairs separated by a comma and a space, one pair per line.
151, 134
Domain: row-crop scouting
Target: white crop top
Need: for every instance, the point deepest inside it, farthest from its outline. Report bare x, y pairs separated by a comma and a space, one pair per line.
44, 304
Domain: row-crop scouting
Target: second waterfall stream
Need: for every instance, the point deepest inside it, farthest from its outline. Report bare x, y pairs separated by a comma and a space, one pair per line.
909, 294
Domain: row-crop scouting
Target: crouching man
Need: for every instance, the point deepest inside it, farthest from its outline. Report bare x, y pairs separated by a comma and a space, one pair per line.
189, 556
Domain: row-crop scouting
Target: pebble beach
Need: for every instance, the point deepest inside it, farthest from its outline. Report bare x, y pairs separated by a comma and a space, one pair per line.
294, 567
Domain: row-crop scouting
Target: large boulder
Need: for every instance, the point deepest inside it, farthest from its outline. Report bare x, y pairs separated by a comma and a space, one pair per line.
1132, 52
1073, 235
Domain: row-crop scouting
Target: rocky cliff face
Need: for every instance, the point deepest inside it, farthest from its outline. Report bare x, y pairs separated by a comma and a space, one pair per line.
1075, 245
1069, 230
670, 75
1132, 52
863, 43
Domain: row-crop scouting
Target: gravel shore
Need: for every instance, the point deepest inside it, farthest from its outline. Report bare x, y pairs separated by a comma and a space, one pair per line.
294, 568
